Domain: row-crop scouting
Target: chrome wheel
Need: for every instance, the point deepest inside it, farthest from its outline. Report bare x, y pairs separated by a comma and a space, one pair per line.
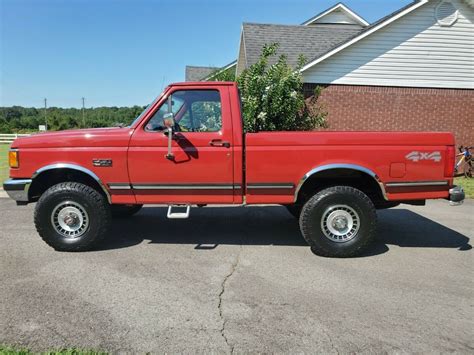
70, 219
340, 223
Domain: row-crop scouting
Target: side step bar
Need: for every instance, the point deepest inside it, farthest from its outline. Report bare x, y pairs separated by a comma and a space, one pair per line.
178, 215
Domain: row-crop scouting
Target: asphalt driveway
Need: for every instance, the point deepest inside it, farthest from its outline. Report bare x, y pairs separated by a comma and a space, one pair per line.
243, 280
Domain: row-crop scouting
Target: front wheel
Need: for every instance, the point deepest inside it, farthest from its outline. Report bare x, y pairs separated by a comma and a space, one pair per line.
339, 221
72, 217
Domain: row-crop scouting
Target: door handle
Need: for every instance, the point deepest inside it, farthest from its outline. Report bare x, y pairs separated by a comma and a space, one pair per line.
219, 143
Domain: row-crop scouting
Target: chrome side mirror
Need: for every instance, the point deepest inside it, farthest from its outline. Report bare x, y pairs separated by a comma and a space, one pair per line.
168, 120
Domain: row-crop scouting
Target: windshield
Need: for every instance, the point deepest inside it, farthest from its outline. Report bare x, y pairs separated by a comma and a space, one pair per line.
145, 110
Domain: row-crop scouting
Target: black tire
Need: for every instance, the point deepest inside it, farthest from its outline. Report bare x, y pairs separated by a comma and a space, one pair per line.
294, 210
338, 204
121, 211
93, 208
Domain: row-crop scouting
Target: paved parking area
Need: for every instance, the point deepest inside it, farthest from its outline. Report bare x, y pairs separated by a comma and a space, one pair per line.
243, 280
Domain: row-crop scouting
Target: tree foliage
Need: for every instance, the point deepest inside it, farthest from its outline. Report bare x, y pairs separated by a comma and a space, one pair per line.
272, 96
17, 119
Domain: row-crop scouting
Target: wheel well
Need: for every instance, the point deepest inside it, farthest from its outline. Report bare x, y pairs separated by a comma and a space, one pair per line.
341, 176
49, 178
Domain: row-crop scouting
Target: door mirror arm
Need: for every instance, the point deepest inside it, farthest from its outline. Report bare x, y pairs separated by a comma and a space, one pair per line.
168, 122
169, 133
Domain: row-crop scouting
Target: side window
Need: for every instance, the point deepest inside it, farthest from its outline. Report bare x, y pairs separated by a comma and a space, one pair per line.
194, 111
156, 122
207, 116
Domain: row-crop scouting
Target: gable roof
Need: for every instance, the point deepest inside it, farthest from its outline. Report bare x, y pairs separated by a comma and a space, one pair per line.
195, 73
310, 41
366, 32
293, 43
338, 7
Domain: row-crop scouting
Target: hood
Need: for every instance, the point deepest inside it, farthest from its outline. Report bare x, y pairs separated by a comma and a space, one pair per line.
91, 137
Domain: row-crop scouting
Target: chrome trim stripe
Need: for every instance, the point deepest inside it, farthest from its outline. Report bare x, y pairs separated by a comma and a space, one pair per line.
73, 167
120, 186
185, 186
340, 166
270, 186
416, 183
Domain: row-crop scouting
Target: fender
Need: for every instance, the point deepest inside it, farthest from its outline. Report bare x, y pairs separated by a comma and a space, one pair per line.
73, 167
341, 166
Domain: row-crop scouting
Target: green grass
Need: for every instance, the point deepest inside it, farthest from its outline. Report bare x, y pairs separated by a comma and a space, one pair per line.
467, 185
7, 350
3, 163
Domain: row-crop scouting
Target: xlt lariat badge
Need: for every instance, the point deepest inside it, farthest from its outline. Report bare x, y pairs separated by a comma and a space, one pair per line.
104, 163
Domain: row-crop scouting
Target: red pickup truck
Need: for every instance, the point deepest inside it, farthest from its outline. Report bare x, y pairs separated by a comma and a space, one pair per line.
189, 148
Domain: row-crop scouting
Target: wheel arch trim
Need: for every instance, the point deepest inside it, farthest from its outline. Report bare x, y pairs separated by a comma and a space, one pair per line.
76, 167
340, 166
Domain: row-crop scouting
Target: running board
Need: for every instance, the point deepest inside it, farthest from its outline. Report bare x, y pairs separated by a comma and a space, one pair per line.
178, 215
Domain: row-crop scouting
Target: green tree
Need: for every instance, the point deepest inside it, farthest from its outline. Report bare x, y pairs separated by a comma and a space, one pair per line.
272, 96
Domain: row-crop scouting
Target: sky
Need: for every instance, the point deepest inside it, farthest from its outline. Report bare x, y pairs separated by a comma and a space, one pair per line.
123, 52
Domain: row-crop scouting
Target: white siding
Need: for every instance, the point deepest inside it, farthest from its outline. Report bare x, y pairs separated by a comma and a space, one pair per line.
412, 51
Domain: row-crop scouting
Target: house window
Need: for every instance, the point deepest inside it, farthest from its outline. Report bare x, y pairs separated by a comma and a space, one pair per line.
446, 13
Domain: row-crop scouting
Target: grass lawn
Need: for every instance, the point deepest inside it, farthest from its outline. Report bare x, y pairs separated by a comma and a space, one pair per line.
3, 162
467, 184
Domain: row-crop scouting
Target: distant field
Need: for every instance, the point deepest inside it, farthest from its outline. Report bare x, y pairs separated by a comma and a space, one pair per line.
3, 162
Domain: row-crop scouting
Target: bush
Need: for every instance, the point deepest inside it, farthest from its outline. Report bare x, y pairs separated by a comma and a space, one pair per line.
272, 96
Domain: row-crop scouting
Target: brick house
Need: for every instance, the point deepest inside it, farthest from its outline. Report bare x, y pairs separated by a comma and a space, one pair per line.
412, 70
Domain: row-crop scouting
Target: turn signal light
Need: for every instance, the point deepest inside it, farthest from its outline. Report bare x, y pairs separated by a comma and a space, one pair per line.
13, 159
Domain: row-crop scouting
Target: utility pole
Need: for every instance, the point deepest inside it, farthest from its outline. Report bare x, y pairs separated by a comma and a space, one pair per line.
45, 115
83, 114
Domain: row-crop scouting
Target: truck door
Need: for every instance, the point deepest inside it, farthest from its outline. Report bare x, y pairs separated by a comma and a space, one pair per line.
200, 169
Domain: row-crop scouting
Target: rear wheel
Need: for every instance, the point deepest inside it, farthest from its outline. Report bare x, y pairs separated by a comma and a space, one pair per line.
121, 211
72, 217
339, 221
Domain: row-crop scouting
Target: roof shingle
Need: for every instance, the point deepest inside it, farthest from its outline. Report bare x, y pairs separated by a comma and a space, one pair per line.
310, 41
194, 73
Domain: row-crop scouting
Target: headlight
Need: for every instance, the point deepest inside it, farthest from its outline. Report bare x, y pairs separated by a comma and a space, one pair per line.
13, 158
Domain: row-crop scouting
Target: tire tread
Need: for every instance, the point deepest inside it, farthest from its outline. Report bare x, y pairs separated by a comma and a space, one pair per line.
103, 213
315, 200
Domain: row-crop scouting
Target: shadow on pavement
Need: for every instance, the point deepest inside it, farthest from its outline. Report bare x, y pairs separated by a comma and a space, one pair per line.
209, 227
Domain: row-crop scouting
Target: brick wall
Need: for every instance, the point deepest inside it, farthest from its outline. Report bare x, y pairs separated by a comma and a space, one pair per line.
362, 108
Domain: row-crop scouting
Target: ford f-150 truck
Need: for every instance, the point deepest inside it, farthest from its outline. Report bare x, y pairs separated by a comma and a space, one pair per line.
188, 148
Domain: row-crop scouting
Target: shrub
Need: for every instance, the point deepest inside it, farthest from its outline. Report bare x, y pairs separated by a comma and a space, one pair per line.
272, 96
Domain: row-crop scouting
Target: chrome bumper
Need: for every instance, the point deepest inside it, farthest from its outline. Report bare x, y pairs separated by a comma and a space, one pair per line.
17, 189
456, 196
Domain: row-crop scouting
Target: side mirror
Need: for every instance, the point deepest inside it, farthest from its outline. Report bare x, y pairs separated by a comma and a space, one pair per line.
168, 120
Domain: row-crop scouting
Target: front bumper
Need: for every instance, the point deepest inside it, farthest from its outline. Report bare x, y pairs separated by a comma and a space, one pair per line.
456, 196
17, 189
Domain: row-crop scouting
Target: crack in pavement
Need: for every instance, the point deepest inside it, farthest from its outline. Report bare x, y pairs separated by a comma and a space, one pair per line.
221, 293
328, 335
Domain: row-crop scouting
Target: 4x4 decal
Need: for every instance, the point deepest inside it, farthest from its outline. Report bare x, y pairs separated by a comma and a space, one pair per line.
417, 156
